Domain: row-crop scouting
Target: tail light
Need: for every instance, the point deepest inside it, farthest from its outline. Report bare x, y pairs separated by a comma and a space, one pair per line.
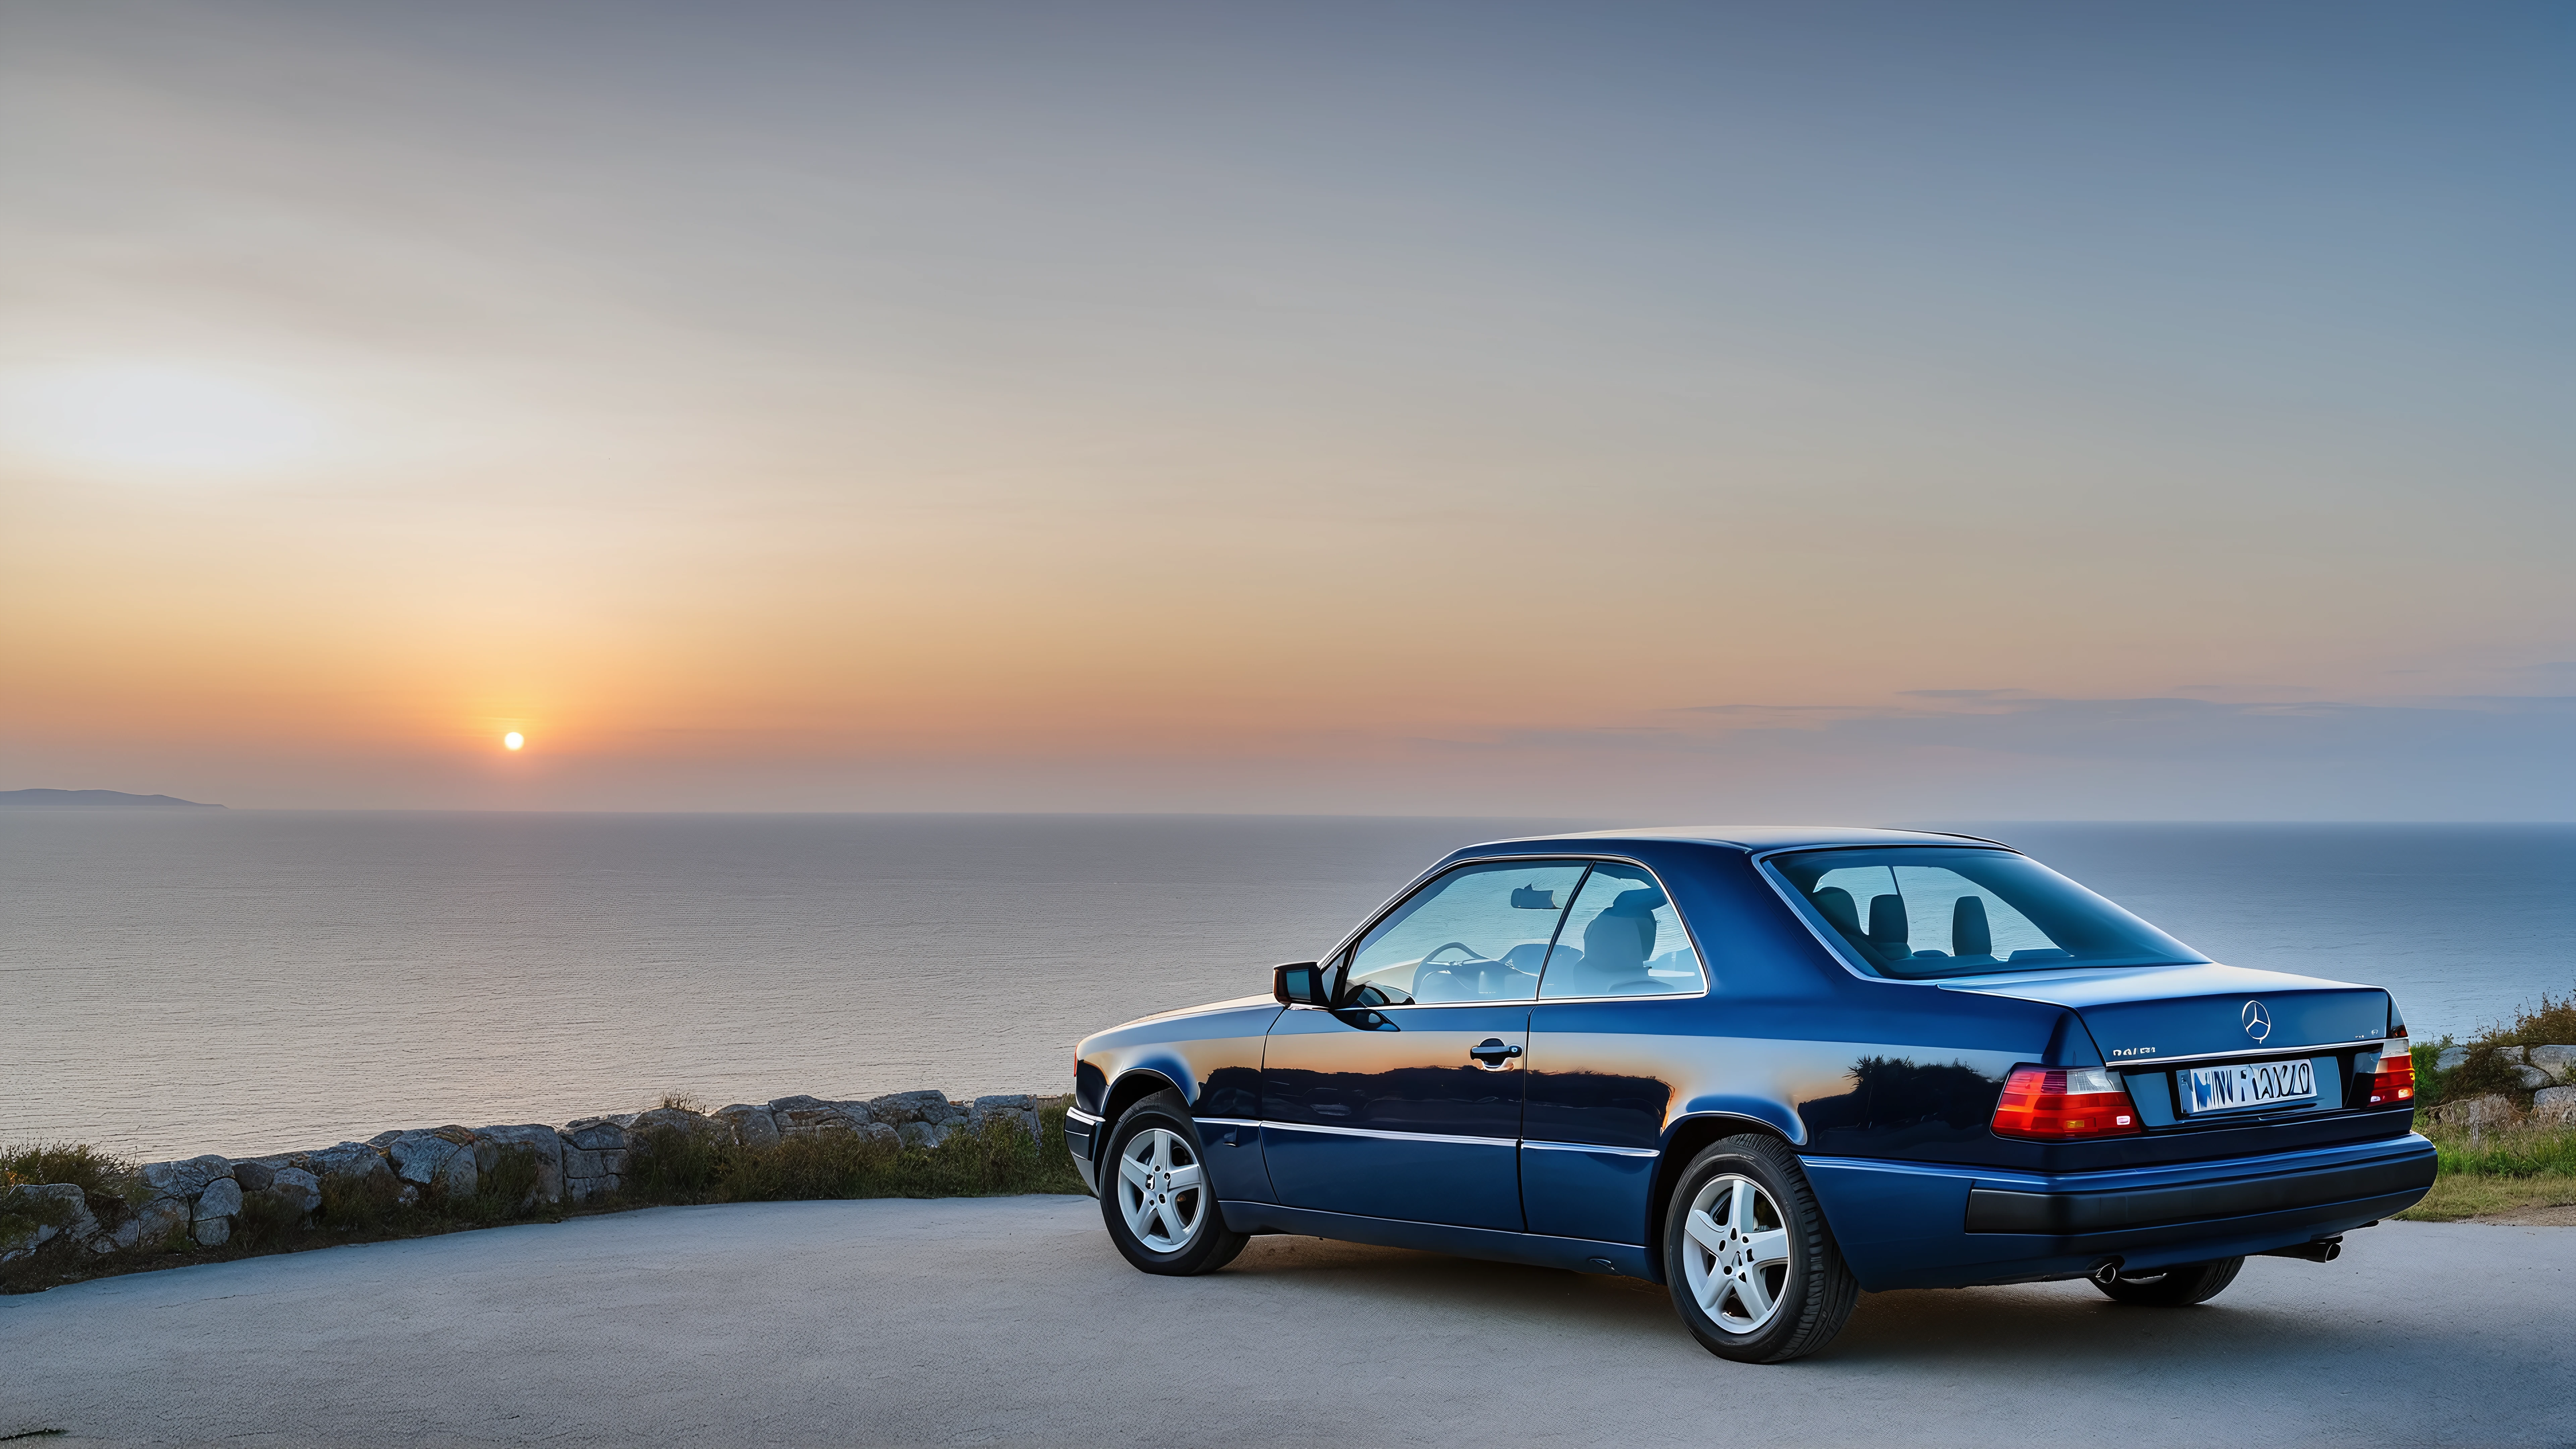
2393, 1081
2055, 1104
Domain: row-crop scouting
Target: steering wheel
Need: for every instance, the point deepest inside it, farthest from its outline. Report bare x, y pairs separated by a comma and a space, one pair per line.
1472, 953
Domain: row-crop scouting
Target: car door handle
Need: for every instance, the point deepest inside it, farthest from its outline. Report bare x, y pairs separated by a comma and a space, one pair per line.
1493, 1051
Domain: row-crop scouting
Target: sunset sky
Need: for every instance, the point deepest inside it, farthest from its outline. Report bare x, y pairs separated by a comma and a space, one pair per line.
1692, 411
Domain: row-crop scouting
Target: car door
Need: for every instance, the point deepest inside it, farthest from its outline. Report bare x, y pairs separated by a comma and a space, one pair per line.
1613, 1013
1404, 1099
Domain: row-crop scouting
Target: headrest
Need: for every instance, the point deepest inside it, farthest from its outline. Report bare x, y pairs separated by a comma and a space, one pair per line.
1887, 920
1838, 909
1643, 901
1969, 934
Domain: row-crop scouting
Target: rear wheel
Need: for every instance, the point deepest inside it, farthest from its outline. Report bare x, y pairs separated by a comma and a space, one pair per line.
2176, 1286
1752, 1268
1155, 1196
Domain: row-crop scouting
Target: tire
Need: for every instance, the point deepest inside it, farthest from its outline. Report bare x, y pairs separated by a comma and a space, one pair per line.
1172, 1228
1752, 1267
2175, 1287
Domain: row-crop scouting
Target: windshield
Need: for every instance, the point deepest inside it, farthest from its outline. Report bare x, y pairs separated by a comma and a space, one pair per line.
1930, 911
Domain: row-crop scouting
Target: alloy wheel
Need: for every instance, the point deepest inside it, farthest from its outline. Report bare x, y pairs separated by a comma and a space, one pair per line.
1737, 1256
1161, 1190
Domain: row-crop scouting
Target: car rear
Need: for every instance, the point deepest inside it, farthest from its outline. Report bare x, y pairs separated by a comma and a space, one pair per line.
2189, 1111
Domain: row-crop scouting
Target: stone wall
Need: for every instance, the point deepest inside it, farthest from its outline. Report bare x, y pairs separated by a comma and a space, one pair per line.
198, 1199
2548, 1073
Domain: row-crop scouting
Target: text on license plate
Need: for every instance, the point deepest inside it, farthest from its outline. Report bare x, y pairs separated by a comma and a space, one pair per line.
2256, 1084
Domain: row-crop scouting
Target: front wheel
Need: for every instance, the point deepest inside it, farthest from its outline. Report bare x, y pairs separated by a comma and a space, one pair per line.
2175, 1287
1752, 1268
1155, 1196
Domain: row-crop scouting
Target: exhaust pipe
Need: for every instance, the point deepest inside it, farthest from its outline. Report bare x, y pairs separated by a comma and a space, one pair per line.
2323, 1250
2107, 1271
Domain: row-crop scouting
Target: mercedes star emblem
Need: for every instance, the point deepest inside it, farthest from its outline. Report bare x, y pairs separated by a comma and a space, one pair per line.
2258, 1022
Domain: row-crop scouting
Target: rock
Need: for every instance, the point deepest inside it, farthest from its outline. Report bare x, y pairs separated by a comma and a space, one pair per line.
545, 1142
2487, 1111
214, 1232
221, 1199
923, 1134
297, 1188
60, 1209
578, 1163
805, 1116
2531, 1079
441, 1156
257, 1174
585, 1189
383, 1140
595, 1133
673, 1117
158, 1219
1014, 1102
898, 1108
2450, 1057
2554, 1104
349, 1159
2558, 1061
752, 1126
185, 1179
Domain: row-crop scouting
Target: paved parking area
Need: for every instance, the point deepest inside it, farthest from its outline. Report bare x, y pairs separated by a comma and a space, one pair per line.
1011, 1321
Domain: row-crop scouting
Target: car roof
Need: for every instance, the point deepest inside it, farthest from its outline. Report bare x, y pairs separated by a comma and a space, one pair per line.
1755, 837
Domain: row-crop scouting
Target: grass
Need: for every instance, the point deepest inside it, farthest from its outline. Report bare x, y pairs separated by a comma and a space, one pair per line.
668, 1166
2499, 1169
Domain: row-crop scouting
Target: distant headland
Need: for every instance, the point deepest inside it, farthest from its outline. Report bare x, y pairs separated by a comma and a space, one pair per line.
92, 800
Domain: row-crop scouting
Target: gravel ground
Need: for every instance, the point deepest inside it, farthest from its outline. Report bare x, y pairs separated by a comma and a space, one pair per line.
1011, 1321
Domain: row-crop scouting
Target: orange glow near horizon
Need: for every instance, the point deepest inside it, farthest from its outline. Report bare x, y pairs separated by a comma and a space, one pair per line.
922, 415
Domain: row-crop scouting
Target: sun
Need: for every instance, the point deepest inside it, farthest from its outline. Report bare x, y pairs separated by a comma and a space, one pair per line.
158, 419
514, 740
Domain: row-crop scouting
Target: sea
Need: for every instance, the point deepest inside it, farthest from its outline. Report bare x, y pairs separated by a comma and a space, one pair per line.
184, 981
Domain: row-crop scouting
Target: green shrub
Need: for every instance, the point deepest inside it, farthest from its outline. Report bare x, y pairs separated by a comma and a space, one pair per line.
2553, 1022
370, 1204
98, 1173
268, 1224
507, 1189
670, 1165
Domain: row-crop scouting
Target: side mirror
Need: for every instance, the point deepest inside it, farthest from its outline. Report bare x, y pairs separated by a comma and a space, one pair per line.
1299, 983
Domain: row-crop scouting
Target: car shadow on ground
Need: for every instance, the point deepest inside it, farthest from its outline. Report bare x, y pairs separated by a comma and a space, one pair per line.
1951, 1328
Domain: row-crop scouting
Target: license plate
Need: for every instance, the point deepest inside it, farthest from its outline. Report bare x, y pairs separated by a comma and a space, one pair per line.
2243, 1088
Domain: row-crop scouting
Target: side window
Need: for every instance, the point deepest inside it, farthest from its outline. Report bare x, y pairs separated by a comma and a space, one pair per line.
1478, 933
1622, 937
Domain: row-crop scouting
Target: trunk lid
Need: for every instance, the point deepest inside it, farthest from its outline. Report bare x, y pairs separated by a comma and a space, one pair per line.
2144, 1014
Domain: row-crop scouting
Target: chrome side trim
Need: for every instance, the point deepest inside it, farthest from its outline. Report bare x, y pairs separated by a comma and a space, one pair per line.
1391, 1136
1076, 1114
1225, 1121
1593, 1147
2281, 1054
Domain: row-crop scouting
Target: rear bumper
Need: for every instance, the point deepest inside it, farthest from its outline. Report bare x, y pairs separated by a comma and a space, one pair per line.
1081, 1136
1906, 1225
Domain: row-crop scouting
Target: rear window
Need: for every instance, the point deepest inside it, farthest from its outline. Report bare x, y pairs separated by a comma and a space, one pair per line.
1920, 912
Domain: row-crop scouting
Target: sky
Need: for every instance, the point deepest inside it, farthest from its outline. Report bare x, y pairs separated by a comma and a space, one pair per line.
1661, 412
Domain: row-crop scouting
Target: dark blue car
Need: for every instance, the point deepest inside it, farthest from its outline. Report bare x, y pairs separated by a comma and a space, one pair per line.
1768, 1069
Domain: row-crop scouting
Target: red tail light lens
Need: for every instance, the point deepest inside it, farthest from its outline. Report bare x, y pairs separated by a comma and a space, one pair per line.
2394, 1081
2054, 1104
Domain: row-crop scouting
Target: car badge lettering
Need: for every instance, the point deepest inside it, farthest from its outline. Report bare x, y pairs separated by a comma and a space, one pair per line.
2258, 1022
